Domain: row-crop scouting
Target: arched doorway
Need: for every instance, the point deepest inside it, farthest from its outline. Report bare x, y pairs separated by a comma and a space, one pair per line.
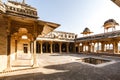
71, 47
46, 47
38, 47
64, 47
21, 44
56, 48
22, 48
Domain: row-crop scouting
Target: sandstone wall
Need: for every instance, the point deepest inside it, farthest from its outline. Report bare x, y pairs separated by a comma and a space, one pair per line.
3, 36
3, 44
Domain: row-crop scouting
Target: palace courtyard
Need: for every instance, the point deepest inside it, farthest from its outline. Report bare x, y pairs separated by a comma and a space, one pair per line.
67, 67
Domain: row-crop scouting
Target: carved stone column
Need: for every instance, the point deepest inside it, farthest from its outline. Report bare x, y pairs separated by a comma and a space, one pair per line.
85, 48
8, 47
8, 53
51, 48
81, 47
60, 47
102, 46
67, 47
32, 44
34, 55
115, 47
35, 34
94, 47
41, 47
15, 49
89, 47
97, 47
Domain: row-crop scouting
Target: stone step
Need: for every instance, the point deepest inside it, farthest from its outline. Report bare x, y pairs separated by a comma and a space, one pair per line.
22, 63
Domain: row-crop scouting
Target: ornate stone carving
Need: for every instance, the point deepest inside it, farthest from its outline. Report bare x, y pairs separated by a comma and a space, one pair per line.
2, 7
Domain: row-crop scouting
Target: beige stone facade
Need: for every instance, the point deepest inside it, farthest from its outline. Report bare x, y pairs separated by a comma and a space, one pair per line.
23, 35
107, 43
56, 42
19, 29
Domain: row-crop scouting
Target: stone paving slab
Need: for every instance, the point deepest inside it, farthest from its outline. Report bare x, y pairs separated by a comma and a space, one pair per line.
66, 67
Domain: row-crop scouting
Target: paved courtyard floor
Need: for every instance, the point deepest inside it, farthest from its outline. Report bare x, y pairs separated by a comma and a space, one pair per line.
68, 67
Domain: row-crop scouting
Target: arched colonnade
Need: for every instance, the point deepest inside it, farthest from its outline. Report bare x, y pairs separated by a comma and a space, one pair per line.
111, 47
54, 47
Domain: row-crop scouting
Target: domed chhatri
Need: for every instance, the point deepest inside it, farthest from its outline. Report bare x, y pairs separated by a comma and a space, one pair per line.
110, 23
86, 31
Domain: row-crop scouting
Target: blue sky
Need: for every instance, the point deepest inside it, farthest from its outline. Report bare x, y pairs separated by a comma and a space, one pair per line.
75, 15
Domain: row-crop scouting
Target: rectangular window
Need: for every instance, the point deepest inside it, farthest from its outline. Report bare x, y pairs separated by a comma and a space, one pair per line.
25, 48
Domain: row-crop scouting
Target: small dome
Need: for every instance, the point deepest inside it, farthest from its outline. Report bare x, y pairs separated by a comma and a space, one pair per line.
110, 23
110, 20
86, 31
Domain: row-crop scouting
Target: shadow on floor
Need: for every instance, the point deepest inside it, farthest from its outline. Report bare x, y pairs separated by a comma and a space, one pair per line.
75, 71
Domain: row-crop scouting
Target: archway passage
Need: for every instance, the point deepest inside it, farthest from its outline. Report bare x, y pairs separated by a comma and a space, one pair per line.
38, 47
64, 47
56, 48
22, 48
46, 47
21, 35
71, 47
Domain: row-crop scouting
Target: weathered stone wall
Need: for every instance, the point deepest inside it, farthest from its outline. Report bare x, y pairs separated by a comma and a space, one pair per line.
3, 62
3, 36
20, 51
3, 43
20, 46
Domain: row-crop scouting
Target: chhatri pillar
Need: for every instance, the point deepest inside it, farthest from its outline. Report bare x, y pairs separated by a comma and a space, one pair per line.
110, 23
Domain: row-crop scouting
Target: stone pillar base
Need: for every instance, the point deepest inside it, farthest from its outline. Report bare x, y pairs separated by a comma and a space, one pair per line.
41, 53
7, 70
35, 65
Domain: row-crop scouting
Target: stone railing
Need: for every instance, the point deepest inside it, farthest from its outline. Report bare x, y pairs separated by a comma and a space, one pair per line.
2, 7
27, 12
